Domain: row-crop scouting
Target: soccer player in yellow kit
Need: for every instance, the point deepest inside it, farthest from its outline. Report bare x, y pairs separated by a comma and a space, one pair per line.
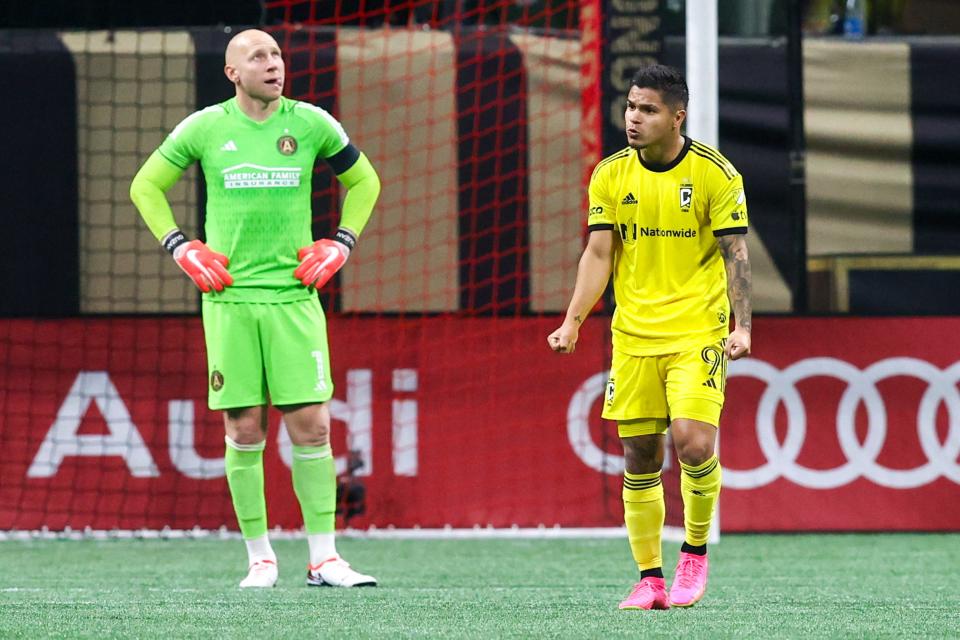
667, 219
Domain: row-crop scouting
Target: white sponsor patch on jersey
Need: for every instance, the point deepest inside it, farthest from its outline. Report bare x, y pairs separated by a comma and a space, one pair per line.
254, 176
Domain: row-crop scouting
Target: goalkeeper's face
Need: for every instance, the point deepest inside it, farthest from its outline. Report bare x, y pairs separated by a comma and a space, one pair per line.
648, 120
255, 65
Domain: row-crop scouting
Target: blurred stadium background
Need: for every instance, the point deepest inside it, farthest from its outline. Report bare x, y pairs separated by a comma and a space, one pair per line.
484, 119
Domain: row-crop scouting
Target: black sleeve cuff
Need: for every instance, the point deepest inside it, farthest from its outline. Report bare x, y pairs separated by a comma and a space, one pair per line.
173, 240
730, 232
345, 237
343, 159
600, 227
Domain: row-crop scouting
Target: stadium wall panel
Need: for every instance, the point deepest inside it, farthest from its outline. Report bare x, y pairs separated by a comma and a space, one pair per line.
935, 106
859, 140
557, 164
396, 92
38, 177
132, 89
492, 168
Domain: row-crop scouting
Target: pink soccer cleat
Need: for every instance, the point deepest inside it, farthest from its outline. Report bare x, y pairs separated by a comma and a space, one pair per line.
689, 581
649, 593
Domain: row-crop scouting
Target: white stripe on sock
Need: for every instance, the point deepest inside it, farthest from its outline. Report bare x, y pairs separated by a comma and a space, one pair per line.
325, 452
233, 444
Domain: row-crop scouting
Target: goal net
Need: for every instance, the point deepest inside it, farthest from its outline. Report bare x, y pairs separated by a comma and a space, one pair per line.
482, 120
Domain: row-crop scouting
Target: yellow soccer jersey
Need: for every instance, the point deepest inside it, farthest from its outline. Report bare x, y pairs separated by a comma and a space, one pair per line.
668, 274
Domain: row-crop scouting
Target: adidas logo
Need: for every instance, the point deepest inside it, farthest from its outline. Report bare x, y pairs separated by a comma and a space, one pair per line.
629, 199
229, 146
710, 383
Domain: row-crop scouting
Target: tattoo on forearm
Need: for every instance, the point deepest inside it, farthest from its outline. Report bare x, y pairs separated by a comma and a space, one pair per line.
578, 319
739, 278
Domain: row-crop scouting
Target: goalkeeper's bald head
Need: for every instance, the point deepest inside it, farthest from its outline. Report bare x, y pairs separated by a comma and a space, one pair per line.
242, 42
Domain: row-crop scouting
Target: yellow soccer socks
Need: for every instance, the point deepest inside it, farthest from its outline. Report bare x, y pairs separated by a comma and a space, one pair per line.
643, 512
700, 488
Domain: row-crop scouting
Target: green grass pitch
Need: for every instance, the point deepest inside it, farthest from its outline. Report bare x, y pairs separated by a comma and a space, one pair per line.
761, 586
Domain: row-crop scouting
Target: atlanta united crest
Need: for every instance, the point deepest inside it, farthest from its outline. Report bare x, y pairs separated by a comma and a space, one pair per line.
287, 145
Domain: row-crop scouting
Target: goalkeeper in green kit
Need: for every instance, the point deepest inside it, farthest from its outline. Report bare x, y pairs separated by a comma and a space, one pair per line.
258, 270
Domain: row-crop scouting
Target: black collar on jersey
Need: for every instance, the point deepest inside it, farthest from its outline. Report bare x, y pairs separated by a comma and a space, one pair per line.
660, 168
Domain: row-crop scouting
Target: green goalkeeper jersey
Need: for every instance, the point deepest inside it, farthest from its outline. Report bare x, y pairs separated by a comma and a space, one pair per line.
258, 177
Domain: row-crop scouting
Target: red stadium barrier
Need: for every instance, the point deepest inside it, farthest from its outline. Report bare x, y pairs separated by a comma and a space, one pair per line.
837, 424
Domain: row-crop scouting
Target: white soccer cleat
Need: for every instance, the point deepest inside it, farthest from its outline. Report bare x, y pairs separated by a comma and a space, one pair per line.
336, 572
262, 574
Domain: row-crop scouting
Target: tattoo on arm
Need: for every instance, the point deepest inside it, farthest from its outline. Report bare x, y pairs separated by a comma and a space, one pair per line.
578, 319
739, 278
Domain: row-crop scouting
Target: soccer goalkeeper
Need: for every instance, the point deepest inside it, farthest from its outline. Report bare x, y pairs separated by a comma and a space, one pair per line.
264, 327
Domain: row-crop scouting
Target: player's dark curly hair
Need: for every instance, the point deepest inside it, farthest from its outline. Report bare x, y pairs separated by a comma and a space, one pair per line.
667, 80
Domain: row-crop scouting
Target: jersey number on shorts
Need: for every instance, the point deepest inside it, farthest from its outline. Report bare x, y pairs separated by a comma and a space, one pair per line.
321, 377
716, 361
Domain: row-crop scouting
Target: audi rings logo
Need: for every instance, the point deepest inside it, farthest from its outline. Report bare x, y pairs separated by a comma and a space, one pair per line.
781, 457
861, 457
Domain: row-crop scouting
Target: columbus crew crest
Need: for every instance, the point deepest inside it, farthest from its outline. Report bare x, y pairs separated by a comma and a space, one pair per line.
686, 197
287, 145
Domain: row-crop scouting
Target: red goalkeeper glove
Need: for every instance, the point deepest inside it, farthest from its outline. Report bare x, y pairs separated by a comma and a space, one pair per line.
205, 267
323, 258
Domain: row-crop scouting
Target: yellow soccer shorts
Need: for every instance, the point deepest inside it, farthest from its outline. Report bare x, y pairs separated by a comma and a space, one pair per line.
644, 393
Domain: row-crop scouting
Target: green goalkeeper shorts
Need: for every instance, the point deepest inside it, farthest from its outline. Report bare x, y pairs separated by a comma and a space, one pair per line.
257, 351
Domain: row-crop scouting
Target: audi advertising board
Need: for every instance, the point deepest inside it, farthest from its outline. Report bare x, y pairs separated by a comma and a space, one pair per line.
834, 424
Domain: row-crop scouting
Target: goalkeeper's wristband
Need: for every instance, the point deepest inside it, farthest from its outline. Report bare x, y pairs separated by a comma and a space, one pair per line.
173, 240
345, 238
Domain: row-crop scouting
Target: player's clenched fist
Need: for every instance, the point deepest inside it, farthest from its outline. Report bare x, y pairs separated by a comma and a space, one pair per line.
323, 258
207, 268
738, 344
564, 339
